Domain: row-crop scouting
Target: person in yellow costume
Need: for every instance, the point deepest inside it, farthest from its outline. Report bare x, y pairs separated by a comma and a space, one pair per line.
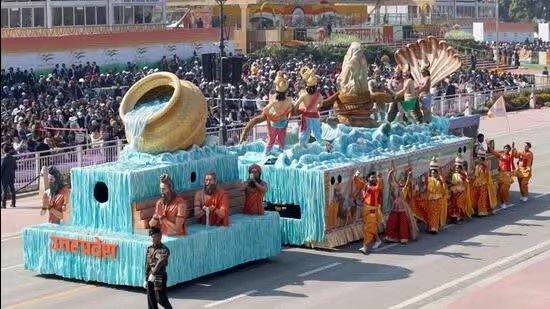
371, 190
277, 113
524, 171
460, 205
436, 207
484, 197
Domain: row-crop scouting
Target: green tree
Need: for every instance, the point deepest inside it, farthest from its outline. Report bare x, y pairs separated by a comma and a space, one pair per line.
526, 10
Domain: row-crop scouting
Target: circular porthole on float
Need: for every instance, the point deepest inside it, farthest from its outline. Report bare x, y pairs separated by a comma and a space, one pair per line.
101, 192
193, 177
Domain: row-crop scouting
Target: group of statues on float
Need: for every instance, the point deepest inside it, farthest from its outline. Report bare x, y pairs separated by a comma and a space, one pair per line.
361, 99
211, 203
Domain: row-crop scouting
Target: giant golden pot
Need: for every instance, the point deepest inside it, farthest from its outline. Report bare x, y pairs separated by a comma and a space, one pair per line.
179, 124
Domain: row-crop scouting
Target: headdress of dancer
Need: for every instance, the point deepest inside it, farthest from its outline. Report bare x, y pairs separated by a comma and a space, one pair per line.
309, 76
281, 84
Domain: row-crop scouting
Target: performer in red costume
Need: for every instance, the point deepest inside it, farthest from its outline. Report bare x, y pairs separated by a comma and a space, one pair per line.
504, 177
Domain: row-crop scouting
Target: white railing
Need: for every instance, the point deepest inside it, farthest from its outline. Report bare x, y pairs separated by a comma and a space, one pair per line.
29, 164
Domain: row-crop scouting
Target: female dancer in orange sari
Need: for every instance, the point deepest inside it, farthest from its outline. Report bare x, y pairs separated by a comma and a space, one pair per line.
436, 207
504, 177
401, 226
524, 171
484, 195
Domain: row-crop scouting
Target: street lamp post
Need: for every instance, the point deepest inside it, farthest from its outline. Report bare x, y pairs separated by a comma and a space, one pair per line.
221, 103
497, 34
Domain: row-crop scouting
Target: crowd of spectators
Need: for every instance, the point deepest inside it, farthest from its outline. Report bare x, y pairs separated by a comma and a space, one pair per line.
78, 104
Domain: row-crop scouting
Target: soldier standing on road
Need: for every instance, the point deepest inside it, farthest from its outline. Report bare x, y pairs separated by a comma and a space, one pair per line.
8, 174
156, 261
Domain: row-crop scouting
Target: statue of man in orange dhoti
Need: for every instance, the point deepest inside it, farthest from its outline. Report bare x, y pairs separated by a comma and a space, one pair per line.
401, 226
484, 197
212, 203
436, 204
524, 171
170, 209
254, 191
56, 198
460, 205
371, 190
504, 177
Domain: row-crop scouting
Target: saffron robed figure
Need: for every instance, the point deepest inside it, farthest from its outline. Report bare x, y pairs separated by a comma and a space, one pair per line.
371, 191
56, 198
170, 209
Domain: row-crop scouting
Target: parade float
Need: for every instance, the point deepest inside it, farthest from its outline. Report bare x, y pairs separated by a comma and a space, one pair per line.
318, 205
111, 204
311, 198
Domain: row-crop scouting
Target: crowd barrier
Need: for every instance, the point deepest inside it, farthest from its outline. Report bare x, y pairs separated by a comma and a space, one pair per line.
29, 164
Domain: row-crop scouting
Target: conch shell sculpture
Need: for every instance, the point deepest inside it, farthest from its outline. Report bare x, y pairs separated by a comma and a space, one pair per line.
432, 54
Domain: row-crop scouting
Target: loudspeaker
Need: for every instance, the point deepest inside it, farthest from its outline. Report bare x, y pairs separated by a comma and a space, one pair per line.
209, 66
236, 69
285, 210
226, 65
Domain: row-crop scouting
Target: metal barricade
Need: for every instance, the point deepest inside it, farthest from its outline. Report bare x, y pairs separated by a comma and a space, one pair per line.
29, 165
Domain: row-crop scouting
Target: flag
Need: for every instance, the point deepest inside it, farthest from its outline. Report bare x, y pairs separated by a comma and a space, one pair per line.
498, 109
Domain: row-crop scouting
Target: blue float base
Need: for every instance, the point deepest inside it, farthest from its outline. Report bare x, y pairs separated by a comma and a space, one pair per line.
204, 251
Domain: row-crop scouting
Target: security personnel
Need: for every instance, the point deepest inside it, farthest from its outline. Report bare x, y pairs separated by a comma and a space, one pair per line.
156, 261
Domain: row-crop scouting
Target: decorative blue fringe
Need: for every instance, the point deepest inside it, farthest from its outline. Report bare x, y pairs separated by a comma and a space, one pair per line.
135, 177
204, 251
297, 177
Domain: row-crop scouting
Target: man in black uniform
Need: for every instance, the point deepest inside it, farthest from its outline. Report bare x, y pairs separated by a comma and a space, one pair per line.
9, 165
156, 261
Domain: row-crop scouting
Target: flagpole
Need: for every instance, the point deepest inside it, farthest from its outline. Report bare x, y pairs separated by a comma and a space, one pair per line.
508, 123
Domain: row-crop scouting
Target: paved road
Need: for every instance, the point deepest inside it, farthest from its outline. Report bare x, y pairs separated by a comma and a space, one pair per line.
431, 271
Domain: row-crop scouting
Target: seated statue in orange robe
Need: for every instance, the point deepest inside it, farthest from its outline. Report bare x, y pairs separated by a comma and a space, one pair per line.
212, 203
55, 198
170, 209
254, 191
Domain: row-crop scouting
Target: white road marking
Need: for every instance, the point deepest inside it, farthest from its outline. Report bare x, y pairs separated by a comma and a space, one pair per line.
385, 247
230, 299
316, 270
11, 238
540, 195
448, 226
12, 267
204, 284
508, 206
469, 276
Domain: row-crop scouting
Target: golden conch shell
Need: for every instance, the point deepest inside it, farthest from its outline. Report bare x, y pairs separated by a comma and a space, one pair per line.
309, 76
441, 59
